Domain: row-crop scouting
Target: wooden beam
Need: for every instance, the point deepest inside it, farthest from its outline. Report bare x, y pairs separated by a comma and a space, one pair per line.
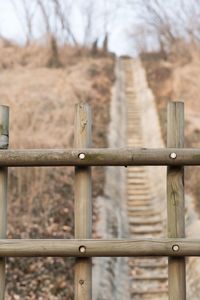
99, 248
100, 157
4, 139
83, 203
175, 201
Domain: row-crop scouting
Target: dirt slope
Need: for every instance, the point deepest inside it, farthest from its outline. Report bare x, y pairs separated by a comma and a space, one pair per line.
175, 81
179, 80
40, 205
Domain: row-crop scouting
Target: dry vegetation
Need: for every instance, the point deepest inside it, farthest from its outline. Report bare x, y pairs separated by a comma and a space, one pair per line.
41, 101
167, 37
177, 79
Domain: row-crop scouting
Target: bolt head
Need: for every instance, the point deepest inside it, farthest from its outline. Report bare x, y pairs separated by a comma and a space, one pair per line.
81, 155
173, 155
82, 249
175, 248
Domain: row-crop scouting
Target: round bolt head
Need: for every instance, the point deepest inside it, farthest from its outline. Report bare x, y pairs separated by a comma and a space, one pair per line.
81, 156
82, 249
175, 248
173, 155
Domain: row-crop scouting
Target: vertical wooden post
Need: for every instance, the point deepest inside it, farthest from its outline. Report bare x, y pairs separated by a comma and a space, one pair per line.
4, 139
83, 203
175, 200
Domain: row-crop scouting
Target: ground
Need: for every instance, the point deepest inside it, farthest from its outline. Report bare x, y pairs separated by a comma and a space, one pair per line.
40, 200
176, 78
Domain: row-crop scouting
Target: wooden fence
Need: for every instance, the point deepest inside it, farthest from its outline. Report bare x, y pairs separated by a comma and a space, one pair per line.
83, 247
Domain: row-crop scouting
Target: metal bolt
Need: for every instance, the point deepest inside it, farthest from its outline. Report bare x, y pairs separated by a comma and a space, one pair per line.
81, 156
173, 155
175, 248
82, 249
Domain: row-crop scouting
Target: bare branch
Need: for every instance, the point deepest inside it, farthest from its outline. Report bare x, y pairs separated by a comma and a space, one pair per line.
26, 17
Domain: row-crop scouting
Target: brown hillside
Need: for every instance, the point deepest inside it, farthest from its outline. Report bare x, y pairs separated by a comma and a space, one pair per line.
178, 79
42, 101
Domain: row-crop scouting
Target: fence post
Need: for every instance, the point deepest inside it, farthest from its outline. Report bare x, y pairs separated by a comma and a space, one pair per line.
83, 203
4, 139
175, 200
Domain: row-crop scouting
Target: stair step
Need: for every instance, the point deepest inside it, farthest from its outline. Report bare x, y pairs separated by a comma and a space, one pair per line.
143, 209
150, 266
142, 185
142, 213
134, 203
139, 214
136, 169
139, 188
138, 197
139, 203
136, 190
145, 230
136, 181
141, 221
151, 278
155, 292
137, 175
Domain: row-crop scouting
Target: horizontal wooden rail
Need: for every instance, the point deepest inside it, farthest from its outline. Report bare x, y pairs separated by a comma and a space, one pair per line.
101, 248
100, 157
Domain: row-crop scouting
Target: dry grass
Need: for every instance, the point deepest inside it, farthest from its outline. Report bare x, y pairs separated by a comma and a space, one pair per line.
41, 104
178, 79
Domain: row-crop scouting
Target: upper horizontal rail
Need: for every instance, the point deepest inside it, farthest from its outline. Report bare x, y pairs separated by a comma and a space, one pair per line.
101, 248
100, 157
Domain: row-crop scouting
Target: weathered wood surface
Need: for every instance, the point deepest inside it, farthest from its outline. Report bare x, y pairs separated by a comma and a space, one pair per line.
99, 248
83, 203
175, 201
4, 137
100, 157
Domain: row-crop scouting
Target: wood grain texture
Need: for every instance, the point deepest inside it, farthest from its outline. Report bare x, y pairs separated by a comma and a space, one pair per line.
175, 201
99, 248
83, 203
4, 137
99, 157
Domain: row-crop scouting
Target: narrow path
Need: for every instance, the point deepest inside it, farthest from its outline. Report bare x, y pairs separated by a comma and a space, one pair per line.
148, 275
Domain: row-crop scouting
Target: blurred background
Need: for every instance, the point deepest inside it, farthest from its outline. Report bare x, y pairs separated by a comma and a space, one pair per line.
56, 53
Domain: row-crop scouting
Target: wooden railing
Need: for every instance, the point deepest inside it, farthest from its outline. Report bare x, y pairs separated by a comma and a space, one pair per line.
83, 247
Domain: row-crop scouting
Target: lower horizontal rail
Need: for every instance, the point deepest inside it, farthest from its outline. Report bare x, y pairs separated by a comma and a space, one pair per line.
101, 248
100, 157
